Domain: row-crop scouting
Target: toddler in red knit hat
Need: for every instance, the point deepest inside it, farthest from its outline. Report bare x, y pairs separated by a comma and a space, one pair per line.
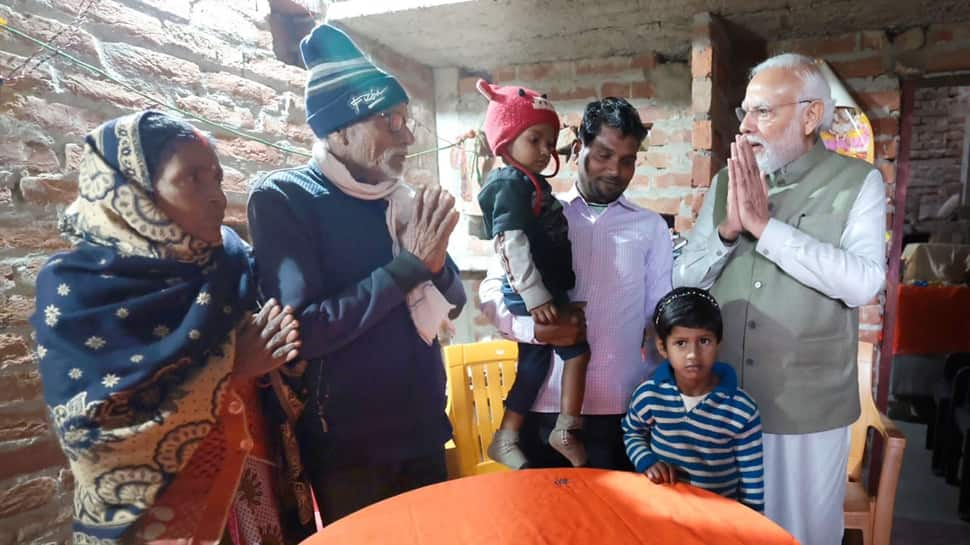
530, 233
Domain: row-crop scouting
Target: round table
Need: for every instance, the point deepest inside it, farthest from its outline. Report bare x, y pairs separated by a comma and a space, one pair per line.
554, 506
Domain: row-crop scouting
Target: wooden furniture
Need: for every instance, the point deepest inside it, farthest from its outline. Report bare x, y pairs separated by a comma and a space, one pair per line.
562, 506
479, 377
872, 513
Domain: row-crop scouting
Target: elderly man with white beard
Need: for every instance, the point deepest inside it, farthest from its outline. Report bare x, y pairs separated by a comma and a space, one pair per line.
790, 240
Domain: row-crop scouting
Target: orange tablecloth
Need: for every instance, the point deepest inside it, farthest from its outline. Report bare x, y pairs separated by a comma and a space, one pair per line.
554, 506
932, 320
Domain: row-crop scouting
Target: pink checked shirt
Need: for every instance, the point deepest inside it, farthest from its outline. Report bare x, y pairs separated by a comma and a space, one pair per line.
623, 259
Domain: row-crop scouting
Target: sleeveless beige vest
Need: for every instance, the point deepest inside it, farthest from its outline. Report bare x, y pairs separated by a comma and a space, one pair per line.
793, 348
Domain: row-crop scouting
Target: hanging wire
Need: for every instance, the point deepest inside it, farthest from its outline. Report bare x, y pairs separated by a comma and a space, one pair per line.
54, 50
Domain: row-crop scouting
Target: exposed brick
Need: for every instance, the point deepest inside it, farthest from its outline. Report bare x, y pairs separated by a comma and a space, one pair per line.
248, 150
47, 189
658, 158
948, 61
23, 385
72, 156
576, 93
62, 119
504, 74
885, 125
873, 40
602, 67
642, 89
701, 62
35, 235
13, 349
662, 181
701, 96
887, 149
104, 91
32, 156
212, 110
652, 114
702, 136
140, 63
615, 89
647, 61
34, 457
466, 86
135, 24
865, 67
682, 224
879, 103
26, 496
661, 137
910, 40
663, 205
701, 170
240, 88
23, 425
870, 314
821, 47
945, 33
78, 41
546, 70
872, 336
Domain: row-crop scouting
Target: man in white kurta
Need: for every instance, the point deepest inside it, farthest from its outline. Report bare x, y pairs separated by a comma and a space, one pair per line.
791, 241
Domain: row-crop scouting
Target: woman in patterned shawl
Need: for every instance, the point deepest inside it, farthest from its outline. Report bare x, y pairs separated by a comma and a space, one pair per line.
150, 353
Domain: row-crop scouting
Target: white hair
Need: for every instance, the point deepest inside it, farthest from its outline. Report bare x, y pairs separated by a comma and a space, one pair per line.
814, 84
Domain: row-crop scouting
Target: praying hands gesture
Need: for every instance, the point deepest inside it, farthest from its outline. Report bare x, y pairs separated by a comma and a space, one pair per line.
747, 197
431, 225
265, 341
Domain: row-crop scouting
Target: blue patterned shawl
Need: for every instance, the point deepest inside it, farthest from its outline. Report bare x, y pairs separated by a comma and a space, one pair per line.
135, 334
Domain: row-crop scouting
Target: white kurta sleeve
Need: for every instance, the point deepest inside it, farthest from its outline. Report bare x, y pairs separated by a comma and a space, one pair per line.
855, 270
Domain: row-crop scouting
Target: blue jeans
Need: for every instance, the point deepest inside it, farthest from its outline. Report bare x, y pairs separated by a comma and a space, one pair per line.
534, 359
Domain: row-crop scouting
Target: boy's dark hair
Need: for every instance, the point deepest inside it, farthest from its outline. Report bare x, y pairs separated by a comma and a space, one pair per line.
158, 135
612, 112
687, 307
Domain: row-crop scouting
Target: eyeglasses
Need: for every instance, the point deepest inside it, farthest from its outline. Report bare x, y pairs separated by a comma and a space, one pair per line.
396, 121
764, 113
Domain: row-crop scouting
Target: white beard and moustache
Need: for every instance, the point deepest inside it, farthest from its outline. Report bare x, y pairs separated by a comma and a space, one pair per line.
775, 155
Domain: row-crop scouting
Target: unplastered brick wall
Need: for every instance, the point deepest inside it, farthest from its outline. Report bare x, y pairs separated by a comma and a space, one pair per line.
936, 150
213, 58
870, 63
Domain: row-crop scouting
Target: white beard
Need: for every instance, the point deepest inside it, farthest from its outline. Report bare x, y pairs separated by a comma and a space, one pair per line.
775, 155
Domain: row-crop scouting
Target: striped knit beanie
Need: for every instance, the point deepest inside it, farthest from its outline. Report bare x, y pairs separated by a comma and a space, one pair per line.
343, 86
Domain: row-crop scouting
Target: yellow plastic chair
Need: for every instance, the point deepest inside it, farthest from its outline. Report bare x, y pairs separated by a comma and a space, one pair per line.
872, 513
479, 377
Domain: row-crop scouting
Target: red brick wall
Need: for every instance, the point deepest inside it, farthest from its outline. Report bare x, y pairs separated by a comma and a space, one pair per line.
936, 151
210, 57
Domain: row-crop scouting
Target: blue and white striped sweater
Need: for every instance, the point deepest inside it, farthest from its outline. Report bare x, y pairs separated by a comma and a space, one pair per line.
717, 444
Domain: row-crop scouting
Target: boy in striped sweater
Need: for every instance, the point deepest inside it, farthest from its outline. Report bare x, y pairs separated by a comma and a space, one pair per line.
691, 422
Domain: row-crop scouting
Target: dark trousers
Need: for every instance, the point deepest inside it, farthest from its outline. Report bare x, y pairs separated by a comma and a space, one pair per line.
342, 490
601, 434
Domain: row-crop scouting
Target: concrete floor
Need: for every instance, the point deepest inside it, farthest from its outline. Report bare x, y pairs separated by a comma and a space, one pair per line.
926, 507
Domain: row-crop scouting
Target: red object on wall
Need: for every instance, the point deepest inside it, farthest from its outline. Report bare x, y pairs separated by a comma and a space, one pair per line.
932, 320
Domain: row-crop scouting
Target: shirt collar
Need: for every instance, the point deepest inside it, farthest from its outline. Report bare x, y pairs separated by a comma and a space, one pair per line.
793, 171
573, 194
727, 379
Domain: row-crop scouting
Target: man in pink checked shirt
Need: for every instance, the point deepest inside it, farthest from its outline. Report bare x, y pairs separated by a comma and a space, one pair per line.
622, 256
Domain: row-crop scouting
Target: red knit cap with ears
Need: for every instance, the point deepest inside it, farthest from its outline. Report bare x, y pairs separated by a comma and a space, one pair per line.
512, 110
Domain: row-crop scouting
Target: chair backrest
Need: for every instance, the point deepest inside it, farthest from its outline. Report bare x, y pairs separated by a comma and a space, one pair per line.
479, 376
869, 417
